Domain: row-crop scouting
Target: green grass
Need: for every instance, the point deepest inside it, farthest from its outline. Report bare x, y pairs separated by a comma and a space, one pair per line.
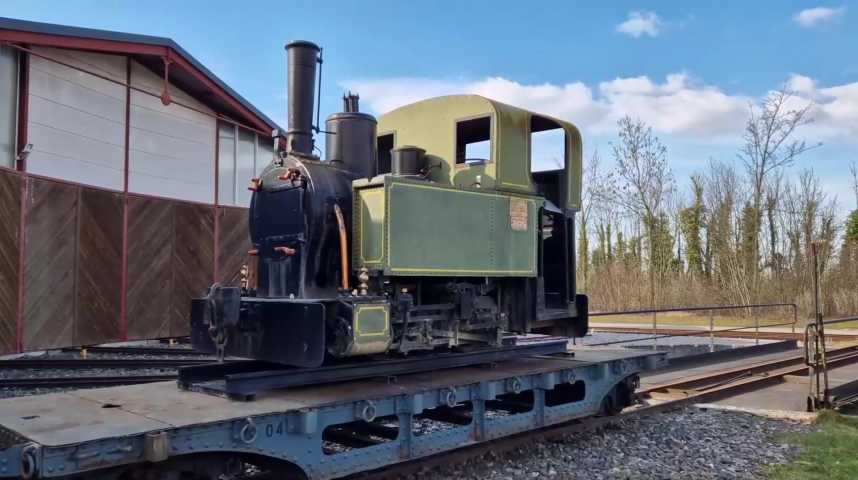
830, 453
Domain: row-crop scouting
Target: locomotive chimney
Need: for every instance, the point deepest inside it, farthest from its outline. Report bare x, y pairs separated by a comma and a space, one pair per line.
350, 103
351, 137
301, 72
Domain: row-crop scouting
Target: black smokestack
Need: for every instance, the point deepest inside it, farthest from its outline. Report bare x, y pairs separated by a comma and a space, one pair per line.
301, 71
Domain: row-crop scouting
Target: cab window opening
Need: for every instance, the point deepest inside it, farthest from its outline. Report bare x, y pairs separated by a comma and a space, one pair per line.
548, 157
473, 140
547, 145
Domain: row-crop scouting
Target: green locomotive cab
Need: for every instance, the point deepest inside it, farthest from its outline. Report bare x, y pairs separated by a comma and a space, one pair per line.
490, 226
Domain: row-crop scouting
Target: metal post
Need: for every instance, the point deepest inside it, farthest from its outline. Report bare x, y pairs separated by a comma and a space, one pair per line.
817, 361
756, 329
654, 331
820, 329
794, 316
711, 331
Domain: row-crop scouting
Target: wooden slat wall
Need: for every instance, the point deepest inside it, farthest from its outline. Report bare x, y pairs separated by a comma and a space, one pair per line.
73, 262
10, 221
99, 267
73, 234
50, 256
193, 260
150, 275
233, 244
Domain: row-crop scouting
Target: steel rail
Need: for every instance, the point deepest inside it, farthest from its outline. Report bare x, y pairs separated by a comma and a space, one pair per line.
81, 382
106, 363
834, 321
771, 368
243, 379
687, 362
554, 432
131, 350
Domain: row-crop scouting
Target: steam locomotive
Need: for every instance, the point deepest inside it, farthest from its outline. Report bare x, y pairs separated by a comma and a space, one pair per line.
401, 239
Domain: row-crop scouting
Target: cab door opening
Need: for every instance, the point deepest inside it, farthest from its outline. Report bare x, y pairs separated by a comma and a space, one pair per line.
548, 164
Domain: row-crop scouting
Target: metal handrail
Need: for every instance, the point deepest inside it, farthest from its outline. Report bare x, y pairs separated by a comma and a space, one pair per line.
839, 320
712, 330
699, 308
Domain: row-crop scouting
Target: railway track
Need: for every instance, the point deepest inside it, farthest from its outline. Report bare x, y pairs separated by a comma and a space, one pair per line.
707, 387
131, 350
129, 365
98, 363
81, 382
713, 386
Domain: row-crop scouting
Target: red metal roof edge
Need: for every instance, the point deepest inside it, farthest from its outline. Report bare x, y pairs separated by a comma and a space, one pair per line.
62, 36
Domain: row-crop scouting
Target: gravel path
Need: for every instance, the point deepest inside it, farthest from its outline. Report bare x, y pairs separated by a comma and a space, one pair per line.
684, 444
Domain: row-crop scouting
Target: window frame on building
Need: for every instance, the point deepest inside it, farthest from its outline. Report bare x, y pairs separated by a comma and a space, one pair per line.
9, 132
235, 192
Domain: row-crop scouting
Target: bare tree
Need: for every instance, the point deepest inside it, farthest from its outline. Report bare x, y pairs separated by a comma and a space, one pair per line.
642, 165
589, 171
647, 183
768, 138
853, 168
597, 204
770, 146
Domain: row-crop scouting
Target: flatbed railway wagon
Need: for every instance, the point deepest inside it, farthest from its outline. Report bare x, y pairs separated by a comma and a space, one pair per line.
407, 298
158, 431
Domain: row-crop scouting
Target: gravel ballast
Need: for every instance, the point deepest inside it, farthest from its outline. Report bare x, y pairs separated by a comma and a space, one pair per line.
683, 444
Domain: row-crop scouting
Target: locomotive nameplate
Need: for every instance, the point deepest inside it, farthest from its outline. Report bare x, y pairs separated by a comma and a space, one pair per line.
518, 214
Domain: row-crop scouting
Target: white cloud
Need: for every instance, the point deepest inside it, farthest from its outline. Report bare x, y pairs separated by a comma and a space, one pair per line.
834, 110
678, 106
812, 17
638, 24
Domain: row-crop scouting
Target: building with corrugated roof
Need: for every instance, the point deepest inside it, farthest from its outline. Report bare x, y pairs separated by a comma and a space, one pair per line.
124, 165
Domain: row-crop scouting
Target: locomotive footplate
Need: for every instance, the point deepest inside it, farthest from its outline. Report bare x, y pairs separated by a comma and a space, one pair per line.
242, 380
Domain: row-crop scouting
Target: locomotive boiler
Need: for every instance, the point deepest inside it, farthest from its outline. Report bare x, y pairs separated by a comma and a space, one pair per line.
424, 230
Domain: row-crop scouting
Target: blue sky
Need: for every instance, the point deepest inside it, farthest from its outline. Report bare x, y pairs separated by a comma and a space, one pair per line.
687, 68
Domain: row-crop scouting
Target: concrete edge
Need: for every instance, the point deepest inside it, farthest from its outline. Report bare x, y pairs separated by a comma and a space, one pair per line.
790, 415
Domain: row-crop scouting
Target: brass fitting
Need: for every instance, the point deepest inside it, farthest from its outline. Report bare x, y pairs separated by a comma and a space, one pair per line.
363, 278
